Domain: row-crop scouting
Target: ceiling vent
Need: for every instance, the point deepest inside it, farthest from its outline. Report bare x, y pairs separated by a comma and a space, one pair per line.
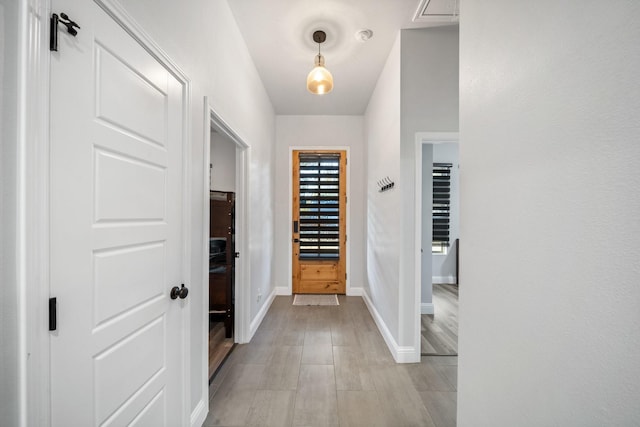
437, 11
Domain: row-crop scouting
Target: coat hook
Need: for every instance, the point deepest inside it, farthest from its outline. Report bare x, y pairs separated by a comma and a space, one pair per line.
385, 184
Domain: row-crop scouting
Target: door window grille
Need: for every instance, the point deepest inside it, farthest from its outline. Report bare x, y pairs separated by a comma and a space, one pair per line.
441, 207
319, 206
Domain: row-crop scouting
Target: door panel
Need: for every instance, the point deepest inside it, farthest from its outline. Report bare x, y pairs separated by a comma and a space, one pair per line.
118, 354
136, 358
319, 218
136, 90
136, 271
127, 188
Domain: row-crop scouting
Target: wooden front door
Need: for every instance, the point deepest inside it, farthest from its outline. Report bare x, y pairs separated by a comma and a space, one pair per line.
319, 218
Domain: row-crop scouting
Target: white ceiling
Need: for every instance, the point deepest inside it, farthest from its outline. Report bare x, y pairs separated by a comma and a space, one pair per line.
278, 35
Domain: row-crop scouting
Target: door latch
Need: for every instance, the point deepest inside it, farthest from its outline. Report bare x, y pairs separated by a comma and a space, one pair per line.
53, 314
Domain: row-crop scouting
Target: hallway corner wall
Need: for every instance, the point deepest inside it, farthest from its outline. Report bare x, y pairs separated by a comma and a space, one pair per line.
549, 131
429, 103
382, 130
417, 92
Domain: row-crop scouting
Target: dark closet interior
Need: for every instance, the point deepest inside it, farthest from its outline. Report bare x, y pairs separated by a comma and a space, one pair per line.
221, 276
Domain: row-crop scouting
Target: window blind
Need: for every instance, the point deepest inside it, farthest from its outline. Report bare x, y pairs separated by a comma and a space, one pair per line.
319, 206
441, 205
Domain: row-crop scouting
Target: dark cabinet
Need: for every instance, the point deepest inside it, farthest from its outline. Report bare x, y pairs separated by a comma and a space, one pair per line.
221, 257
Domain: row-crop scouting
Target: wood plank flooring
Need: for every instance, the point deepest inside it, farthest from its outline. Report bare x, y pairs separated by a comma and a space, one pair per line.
219, 346
440, 330
328, 366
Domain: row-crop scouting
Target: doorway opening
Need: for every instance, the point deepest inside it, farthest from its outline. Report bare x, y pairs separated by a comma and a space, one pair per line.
225, 241
437, 221
319, 197
221, 277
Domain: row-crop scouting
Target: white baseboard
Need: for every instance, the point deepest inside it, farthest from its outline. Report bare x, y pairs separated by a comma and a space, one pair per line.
448, 280
401, 354
354, 292
255, 323
407, 354
199, 414
427, 308
283, 290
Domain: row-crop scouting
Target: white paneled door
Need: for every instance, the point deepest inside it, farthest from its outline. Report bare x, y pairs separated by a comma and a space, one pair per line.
118, 353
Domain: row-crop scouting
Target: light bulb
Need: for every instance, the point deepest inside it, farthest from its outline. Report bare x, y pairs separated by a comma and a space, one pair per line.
319, 80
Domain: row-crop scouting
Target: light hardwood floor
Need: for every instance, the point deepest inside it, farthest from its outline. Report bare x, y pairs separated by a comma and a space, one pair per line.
328, 366
440, 330
219, 346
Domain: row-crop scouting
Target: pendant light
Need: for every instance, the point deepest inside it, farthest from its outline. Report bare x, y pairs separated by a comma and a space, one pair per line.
319, 80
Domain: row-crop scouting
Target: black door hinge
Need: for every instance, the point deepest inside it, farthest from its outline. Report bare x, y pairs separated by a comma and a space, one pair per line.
53, 315
53, 35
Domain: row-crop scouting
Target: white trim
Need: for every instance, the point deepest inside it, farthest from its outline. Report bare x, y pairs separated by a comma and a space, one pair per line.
408, 354
200, 412
437, 137
242, 318
255, 323
401, 354
290, 214
186, 236
32, 196
427, 308
22, 184
282, 290
447, 280
204, 361
355, 292
422, 138
420, 17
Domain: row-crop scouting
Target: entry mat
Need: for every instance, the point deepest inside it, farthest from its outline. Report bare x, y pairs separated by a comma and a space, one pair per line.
313, 299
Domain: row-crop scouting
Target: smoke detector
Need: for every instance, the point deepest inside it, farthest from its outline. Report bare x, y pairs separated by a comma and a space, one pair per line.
363, 35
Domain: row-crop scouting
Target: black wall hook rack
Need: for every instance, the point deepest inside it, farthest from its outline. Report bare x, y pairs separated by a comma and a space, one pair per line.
385, 184
53, 35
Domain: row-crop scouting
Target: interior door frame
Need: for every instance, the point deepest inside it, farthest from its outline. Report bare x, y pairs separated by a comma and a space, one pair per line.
33, 194
242, 320
293, 148
32, 212
422, 139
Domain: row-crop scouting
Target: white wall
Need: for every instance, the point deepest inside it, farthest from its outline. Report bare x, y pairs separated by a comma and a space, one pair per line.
429, 103
320, 131
202, 37
10, 390
417, 92
382, 121
549, 316
223, 163
444, 265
